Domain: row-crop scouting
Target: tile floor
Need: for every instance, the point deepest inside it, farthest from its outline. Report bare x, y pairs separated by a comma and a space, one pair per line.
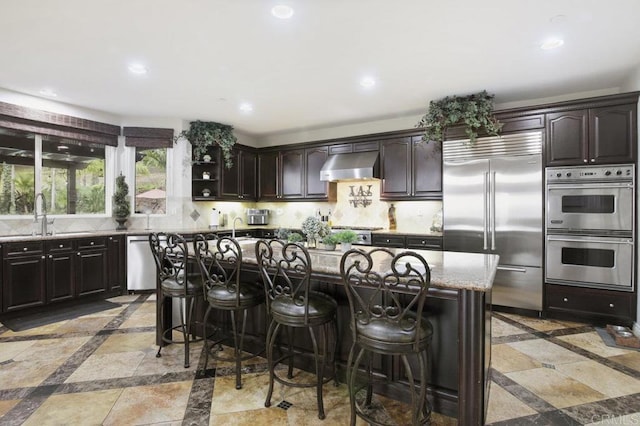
102, 369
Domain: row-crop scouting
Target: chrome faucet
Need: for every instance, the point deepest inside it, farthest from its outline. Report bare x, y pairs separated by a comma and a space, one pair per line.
233, 228
44, 221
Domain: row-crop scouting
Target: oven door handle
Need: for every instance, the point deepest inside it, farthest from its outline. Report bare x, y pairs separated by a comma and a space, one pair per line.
603, 240
623, 185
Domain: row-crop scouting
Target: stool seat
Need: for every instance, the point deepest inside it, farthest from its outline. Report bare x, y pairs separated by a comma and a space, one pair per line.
383, 336
172, 287
250, 294
319, 309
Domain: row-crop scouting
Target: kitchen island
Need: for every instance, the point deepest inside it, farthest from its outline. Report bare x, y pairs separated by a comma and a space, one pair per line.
459, 308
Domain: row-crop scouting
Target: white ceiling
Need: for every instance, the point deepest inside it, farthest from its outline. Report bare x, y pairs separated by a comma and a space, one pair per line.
205, 57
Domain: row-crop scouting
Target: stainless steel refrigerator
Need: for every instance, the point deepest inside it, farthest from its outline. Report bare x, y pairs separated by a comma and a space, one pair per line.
493, 203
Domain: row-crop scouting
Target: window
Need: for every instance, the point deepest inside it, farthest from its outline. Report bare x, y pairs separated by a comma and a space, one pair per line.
151, 180
69, 173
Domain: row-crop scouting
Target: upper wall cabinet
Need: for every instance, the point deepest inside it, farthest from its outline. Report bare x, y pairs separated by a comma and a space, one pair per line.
205, 177
599, 135
292, 175
239, 182
411, 169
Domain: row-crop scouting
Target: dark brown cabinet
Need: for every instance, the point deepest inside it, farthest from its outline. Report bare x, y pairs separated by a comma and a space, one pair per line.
60, 270
410, 241
91, 266
239, 181
23, 279
589, 304
205, 177
411, 169
116, 246
602, 135
293, 175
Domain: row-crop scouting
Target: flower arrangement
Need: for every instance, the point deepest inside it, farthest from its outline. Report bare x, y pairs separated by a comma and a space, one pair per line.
313, 228
294, 237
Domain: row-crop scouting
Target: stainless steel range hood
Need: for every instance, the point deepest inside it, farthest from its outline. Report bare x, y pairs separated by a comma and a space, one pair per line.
355, 165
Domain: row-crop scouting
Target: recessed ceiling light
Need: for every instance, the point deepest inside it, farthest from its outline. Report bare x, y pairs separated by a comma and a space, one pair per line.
138, 69
367, 82
552, 43
282, 11
48, 92
246, 107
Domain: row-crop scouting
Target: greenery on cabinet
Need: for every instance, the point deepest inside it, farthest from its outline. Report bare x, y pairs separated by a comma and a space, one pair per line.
121, 206
346, 237
204, 134
474, 111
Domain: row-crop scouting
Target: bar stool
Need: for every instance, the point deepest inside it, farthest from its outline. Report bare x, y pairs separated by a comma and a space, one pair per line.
286, 273
220, 263
176, 282
387, 294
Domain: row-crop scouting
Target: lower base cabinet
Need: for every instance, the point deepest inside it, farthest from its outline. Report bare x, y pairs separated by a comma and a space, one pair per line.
92, 263
60, 271
23, 279
590, 304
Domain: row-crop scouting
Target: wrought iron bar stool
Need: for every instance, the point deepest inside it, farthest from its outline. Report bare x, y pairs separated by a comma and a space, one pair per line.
291, 303
220, 263
175, 281
387, 293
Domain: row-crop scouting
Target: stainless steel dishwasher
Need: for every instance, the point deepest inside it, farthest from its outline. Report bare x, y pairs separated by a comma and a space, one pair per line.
141, 268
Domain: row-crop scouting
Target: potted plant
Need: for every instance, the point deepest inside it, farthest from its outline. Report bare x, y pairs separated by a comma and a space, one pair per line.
474, 111
203, 134
314, 229
346, 238
295, 237
329, 242
121, 205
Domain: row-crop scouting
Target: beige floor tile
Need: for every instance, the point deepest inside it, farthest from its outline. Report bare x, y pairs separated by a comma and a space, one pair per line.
630, 359
556, 388
150, 404
9, 350
227, 399
107, 366
49, 349
21, 374
83, 324
592, 342
7, 405
227, 351
260, 417
597, 376
72, 409
45, 329
147, 307
538, 323
172, 359
144, 319
127, 343
504, 406
500, 328
106, 313
546, 352
125, 298
505, 358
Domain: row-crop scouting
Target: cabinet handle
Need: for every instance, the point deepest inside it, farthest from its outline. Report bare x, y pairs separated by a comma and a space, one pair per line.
388, 241
25, 248
78, 253
50, 256
43, 257
611, 305
91, 243
61, 245
593, 160
423, 242
584, 161
564, 299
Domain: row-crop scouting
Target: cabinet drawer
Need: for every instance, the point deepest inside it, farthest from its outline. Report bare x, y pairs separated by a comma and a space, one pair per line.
23, 248
366, 146
425, 243
590, 301
387, 240
59, 246
91, 243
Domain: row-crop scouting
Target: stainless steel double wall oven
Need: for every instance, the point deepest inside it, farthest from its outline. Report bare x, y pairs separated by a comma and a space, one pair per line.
590, 226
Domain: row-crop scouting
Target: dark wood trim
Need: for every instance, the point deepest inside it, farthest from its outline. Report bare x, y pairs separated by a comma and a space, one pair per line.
67, 133
148, 137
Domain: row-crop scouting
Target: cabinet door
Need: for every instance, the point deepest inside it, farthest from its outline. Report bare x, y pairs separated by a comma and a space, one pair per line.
60, 276
117, 280
230, 178
205, 177
91, 272
248, 178
426, 169
268, 170
293, 173
612, 134
23, 282
567, 134
395, 157
315, 159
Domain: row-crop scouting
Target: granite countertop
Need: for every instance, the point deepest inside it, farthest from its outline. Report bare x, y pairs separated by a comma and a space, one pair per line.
449, 270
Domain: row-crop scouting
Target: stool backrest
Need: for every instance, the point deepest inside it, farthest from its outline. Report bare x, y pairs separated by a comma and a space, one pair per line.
220, 261
171, 256
286, 271
382, 284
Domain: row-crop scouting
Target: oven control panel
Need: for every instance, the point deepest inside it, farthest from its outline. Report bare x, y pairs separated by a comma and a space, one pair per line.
600, 173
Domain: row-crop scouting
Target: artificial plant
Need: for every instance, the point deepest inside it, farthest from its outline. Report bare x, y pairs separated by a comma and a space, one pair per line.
474, 111
203, 134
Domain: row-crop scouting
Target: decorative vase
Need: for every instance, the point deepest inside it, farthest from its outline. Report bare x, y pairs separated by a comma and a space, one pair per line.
311, 243
345, 247
328, 247
121, 223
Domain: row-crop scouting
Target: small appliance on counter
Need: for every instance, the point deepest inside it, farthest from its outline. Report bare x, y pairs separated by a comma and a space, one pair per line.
215, 219
257, 216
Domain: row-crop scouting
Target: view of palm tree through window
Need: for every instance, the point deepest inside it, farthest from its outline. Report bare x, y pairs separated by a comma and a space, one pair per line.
151, 180
72, 174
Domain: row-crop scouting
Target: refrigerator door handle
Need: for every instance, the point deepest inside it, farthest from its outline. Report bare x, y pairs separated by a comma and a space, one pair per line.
492, 188
485, 212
